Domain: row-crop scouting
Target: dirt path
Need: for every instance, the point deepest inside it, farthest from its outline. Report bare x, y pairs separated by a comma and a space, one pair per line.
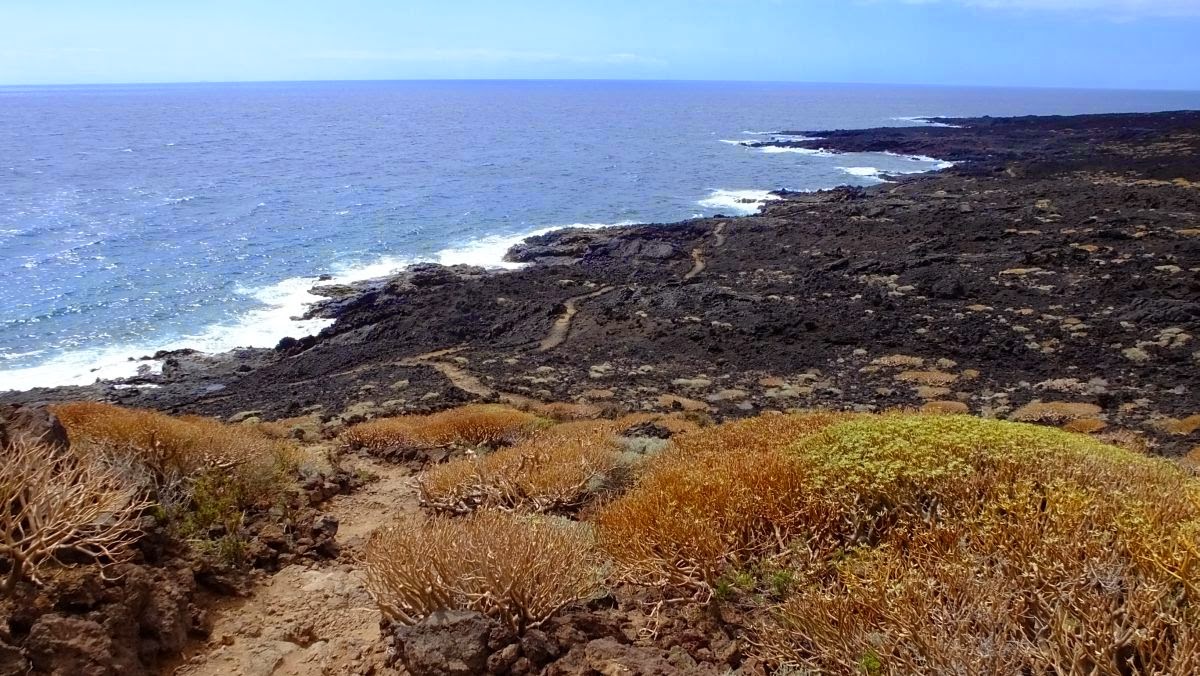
457, 376
312, 621
698, 263
719, 235
562, 325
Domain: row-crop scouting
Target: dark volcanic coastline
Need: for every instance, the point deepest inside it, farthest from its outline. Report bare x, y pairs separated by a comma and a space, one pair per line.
1057, 264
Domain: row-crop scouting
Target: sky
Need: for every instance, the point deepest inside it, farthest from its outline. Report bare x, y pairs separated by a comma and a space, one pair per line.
1136, 44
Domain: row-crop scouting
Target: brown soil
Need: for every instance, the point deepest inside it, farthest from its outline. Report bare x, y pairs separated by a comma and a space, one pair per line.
311, 619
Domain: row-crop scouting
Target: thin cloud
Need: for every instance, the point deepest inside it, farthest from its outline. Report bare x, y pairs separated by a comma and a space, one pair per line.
1129, 9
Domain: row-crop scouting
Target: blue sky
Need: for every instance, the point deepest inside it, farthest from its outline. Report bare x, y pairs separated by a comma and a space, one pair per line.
1077, 43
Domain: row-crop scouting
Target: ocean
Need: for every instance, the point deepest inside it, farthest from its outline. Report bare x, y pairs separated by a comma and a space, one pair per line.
148, 217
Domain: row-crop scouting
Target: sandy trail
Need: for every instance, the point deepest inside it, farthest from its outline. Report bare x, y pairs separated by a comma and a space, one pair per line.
562, 325
457, 376
309, 621
698, 264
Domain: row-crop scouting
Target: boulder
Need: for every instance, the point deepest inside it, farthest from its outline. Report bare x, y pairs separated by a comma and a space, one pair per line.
31, 424
70, 645
12, 660
447, 643
607, 656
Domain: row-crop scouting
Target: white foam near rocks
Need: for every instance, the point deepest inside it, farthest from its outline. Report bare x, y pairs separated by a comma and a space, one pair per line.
937, 165
861, 171
488, 251
280, 307
742, 202
776, 150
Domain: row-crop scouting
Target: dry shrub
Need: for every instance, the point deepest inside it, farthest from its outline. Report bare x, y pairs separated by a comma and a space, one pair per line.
385, 435
721, 497
929, 378
205, 474
944, 407
929, 543
980, 546
1180, 426
472, 425
1054, 412
898, 360
554, 471
173, 447
519, 570
1085, 426
56, 502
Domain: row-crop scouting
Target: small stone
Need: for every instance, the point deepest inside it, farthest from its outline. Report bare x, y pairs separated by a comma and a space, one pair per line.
1136, 354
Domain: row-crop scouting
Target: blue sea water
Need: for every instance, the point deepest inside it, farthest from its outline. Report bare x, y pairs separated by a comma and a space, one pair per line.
136, 218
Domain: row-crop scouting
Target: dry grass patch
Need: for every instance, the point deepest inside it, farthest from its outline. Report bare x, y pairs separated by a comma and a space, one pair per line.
473, 425
173, 447
899, 361
553, 471
206, 474
944, 407
1054, 412
929, 543
981, 546
721, 497
1181, 427
1085, 426
57, 503
928, 378
519, 570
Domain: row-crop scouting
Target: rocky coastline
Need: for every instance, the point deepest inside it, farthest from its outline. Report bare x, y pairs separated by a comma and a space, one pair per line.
1051, 275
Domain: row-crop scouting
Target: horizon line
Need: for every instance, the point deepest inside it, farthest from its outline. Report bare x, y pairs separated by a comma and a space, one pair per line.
152, 83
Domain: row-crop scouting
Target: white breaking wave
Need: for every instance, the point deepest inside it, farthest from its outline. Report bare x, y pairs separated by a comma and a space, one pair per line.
743, 142
282, 305
861, 171
927, 121
488, 252
775, 150
19, 355
742, 202
938, 165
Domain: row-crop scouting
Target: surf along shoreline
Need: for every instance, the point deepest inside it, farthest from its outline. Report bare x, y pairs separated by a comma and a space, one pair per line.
1052, 274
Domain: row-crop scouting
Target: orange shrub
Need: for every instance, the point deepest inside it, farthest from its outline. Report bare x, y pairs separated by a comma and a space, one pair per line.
472, 425
517, 569
928, 543
554, 470
175, 446
721, 497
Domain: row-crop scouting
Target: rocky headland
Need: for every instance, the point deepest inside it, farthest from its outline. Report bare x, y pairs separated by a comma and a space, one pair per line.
1051, 275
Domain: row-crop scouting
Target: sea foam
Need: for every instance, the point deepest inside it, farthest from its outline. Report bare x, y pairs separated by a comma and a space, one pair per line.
860, 171
775, 150
743, 202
